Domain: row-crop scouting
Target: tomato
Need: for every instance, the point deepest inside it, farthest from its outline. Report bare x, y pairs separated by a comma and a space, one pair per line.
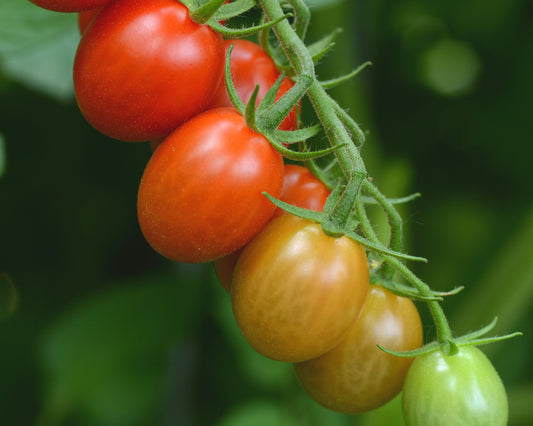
250, 65
200, 196
70, 5
300, 188
86, 17
296, 291
143, 67
357, 376
460, 389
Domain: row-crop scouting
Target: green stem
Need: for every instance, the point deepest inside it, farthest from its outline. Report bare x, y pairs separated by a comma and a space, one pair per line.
395, 222
444, 333
349, 159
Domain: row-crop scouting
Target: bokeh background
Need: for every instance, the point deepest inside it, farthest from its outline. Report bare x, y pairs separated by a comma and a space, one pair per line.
97, 329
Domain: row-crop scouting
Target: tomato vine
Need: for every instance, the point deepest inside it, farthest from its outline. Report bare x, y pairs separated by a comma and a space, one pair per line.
203, 195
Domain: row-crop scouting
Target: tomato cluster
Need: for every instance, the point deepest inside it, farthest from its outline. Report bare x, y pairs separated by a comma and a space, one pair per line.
146, 71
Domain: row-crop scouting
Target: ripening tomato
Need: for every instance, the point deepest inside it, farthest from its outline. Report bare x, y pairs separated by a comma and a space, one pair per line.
356, 376
143, 67
296, 291
70, 5
86, 17
250, 66
454, 390
200, 196
300, 188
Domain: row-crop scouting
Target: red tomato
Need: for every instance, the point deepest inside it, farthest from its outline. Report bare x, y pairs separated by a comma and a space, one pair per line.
300, 188
86, 17
70, 5
357, 376
200, 197
296, 291
143, 67
250, 65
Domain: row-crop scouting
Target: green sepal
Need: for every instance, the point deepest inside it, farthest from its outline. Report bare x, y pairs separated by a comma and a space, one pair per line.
328, 175
311, 215
473, 338
230, 87
487, 340
319, 48
407, 291
249, 112
270, 96
333, 197
328, 84
382, 249
426, 349
402, 200
204, 13
449, 347
243, 32
294, 136
272, 116
235, 8
298, 156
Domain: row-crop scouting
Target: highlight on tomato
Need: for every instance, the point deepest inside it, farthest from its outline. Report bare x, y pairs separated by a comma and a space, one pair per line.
143, 67
356, 376
301, 189
250, 66
448, 390
296, 291
70, 5
200, 196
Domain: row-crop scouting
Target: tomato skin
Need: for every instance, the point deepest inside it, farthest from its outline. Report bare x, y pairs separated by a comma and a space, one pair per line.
200, 196
143, 67
250, 65
356, 376
85, 18
461, 389
70, 5
296, 291
300, 188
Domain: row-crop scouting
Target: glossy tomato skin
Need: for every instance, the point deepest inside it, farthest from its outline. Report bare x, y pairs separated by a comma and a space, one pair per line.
356, 376
200, 196
300, 188
70, 5
461, 389
295, 291
250, 65
143, 67
86, 17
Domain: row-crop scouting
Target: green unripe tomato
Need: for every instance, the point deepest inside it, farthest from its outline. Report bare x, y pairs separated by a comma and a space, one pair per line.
454, 390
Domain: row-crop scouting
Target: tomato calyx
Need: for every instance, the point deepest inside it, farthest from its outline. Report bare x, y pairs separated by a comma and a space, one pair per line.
270, 112
450, 346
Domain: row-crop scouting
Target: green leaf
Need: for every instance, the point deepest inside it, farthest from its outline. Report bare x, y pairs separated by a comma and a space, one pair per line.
107, 358
37, 47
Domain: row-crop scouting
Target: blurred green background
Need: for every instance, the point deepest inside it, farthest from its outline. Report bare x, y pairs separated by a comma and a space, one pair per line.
97, 329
